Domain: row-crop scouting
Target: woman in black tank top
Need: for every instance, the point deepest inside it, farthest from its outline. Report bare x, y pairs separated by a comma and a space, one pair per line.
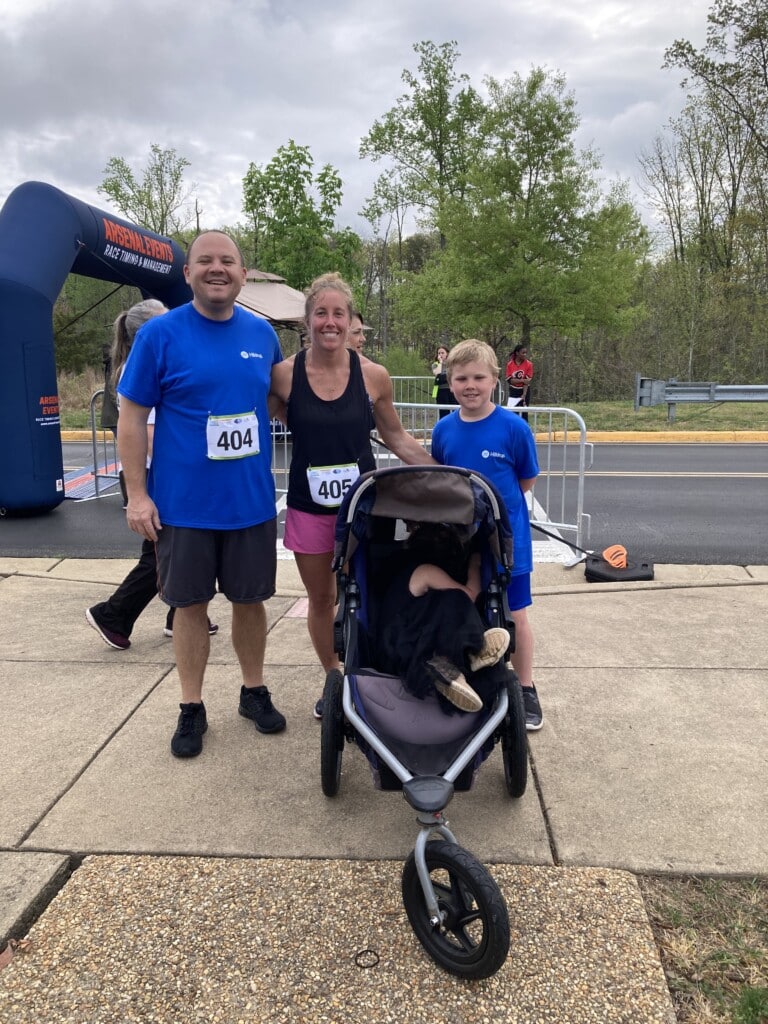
333, 398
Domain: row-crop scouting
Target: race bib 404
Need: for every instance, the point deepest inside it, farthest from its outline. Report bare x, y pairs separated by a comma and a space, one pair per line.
232, 437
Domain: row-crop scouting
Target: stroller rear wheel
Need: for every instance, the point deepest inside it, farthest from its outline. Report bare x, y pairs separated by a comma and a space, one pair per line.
472, 940
514, 741
332, 733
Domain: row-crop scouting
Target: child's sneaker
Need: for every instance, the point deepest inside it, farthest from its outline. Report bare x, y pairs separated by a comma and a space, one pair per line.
188, 739
256, 704
495, 644
534, 719
451, 683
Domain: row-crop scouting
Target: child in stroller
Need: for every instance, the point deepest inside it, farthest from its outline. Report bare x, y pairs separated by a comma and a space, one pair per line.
432, 634
411, 743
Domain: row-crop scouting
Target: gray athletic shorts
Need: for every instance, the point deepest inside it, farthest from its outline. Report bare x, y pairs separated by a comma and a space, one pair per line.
191, 562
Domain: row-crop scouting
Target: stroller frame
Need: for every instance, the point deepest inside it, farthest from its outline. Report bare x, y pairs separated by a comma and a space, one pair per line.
463, 923
429, 818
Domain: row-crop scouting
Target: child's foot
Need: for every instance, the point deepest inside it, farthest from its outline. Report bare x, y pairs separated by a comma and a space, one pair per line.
495, 644
450, 681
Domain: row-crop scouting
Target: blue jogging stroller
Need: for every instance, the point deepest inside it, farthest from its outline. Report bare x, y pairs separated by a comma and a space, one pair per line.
453, 903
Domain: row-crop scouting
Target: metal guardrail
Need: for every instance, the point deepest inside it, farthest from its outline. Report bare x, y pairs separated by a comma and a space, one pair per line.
650, 392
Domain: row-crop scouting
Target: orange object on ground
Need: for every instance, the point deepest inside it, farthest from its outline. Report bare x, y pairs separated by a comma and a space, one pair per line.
616, 555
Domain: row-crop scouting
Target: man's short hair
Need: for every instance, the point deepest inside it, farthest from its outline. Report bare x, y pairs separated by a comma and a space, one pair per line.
215, 231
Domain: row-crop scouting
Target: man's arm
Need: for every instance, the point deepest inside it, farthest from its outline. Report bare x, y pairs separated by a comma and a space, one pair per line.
133, 445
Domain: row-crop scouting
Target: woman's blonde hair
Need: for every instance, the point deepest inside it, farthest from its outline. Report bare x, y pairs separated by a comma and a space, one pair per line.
471, 351
125, 328
327, 283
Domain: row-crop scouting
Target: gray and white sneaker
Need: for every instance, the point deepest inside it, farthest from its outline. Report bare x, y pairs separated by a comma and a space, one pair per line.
450, 681
495, 644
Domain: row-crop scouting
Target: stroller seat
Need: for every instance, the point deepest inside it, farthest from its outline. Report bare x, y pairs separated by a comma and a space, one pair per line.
417, 731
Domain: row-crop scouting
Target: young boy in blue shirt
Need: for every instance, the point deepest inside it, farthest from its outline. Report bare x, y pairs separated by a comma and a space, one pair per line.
496, 442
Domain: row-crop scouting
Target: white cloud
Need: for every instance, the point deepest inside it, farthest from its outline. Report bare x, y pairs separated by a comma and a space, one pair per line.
228, 83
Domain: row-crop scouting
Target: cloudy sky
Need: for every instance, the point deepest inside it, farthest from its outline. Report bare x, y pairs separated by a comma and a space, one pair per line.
227, 83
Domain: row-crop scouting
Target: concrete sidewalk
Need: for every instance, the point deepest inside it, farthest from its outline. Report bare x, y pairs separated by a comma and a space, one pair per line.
229, 888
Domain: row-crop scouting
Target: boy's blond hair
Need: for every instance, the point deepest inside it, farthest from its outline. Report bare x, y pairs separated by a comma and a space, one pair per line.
471, 351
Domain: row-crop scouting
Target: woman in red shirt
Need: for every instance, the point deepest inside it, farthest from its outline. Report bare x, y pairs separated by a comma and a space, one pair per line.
519, 375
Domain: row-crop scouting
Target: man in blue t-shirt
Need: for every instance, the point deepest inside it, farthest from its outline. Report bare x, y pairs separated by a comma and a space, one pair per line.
499, 444
208, 501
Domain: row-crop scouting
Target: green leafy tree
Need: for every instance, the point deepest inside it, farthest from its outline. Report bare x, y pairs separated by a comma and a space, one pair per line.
157, 198
530, 246
733, 64
292, 213
430, 137
706, 177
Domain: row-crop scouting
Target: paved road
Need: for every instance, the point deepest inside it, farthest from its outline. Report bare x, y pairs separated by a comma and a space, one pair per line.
683, 504
673, 504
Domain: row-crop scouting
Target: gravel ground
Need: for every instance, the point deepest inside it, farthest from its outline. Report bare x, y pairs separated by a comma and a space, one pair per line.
162, 940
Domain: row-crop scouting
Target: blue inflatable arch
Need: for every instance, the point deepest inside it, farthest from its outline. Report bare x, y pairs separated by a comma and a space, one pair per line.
45, 235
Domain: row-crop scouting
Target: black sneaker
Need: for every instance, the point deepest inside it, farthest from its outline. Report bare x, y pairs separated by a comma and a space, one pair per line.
317, 710
256, 704
534, 719
188, 739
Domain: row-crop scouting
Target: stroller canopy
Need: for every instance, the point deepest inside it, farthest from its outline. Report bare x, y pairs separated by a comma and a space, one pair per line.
425, 494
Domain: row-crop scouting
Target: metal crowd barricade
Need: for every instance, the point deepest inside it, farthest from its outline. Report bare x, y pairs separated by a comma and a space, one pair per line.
561, 443
106, 468
106, 462
419, 389
564, 457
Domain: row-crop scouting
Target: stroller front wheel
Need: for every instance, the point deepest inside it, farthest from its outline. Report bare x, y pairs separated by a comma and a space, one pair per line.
332, 733
472, 939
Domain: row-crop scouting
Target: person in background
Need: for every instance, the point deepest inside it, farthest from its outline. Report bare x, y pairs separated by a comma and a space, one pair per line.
356, 332
519, 374
494, 441
441, 391
333, 399
109, 399
115, 618
208, 502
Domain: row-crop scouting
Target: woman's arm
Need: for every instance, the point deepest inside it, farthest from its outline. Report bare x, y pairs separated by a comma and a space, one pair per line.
280, 385
379, 386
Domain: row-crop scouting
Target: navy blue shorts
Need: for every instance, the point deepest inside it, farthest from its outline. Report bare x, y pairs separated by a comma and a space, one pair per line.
190, 564
519, 592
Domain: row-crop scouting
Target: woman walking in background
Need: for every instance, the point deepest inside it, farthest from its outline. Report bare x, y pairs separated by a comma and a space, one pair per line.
115, 618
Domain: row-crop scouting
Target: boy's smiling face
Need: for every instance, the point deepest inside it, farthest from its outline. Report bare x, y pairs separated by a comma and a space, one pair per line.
473, 384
